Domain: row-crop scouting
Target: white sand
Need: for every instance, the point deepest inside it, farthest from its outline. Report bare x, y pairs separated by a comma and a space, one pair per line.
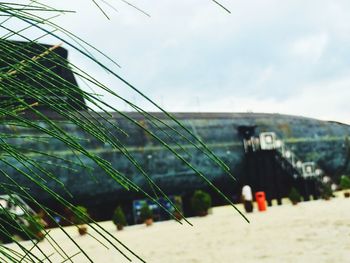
316, 231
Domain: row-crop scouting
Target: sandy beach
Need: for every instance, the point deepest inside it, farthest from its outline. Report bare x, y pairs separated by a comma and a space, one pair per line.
315, 231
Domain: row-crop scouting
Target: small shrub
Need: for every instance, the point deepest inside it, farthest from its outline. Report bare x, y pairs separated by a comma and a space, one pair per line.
146, 213
345, 182
177, 212
35, 227
80, 215
201, 202
119, 218
80, 218
294, 196
326, 191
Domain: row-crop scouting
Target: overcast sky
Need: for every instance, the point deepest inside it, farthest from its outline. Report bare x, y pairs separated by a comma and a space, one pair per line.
289, 56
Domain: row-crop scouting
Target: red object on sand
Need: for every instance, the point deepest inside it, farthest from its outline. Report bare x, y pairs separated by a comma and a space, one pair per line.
261, 201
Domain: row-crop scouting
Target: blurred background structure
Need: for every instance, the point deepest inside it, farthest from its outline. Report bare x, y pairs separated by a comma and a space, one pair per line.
270, 152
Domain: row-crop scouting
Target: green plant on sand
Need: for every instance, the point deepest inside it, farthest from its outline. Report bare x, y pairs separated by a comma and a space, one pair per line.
35, 227
81, 218
201, 202
294, 196
345, 182
177, 210
81, 215
146, 214
326, 191
345, 185
119, 218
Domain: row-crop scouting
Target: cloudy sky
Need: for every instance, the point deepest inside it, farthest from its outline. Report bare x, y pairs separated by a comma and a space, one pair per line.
289, 56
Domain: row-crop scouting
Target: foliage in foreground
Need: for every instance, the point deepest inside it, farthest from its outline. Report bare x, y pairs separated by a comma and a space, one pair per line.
29, 86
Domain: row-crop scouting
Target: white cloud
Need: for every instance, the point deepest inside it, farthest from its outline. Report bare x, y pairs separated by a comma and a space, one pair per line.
272, 56
310, 48
265, 75
326, 100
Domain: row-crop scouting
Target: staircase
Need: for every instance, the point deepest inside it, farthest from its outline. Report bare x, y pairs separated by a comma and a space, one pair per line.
272, 167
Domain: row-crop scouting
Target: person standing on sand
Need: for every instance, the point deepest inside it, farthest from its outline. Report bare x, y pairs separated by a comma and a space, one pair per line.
247, 197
